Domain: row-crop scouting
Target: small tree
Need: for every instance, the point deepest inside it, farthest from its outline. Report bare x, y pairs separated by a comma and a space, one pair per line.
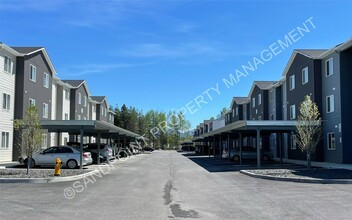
31, 133
308, 128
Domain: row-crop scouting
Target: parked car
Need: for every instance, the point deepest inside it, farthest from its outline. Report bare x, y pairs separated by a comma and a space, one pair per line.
247, 153
70, 157
105, 153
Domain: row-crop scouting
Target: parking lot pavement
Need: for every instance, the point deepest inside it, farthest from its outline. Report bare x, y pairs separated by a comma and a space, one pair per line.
168, 185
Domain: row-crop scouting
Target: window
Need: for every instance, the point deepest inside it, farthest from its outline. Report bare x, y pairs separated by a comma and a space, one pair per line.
79, 98
259, 99
45, 110
233, 112
67, 94
293, 112
330, 103
102, 110
31, 102
44, 141
331, 141
33, 73
8, 65
105, 111
329, 67
259, 117
253, 102
78, 117
293, 142
84, 118
66, 116
85, 101
93, 108
236, 111
6, 101
46, 80
305, 75
5, 136
292, 82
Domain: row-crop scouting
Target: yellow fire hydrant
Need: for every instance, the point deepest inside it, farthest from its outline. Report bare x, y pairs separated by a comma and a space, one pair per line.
58, 167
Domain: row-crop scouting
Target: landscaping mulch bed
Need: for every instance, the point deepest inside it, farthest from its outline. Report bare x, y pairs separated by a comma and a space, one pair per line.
37, 173
315, 173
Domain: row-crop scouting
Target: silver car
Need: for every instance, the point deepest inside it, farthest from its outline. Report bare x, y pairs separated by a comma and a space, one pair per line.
70, 157
247, 153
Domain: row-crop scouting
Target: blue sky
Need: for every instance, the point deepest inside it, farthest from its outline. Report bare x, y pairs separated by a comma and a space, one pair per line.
163, 54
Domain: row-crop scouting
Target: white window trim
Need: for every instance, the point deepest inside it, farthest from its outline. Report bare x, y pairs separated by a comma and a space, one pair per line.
292, 79
259, 99
46, 80
5, 136
253, 102
10, 65
236, 111
6, 101
304, 71
67, 94
326, 67
85, 101
328, 141
31, 100
294, 111
35, 73
79, 98
45, 110
332, 107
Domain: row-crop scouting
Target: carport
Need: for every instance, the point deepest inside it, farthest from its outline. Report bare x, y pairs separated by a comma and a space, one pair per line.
84, 128
251, 128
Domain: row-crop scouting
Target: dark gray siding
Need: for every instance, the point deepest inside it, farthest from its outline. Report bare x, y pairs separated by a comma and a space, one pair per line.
261, 110
59, 102
78, 110
346, 100
332, 121
296, 96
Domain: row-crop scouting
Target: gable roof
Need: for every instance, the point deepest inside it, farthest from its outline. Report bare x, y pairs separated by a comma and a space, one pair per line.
238, 100
74, 83
77, 83
310, 53
263, 85
25, 51
99, 99
9, 49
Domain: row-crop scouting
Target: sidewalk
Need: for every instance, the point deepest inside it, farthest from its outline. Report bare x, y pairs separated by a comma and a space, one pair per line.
318, 164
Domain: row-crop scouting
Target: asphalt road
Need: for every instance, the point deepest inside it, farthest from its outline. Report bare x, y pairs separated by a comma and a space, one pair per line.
168, 185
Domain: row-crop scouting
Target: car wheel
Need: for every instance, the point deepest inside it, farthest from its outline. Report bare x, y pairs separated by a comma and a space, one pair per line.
72, 164
31, 165
236, 158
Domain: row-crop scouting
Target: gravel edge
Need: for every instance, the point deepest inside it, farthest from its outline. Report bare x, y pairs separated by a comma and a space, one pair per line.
47, 180
287, 179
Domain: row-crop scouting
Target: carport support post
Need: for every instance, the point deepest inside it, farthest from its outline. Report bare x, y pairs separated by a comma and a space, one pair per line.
241, 143
98, 155
281, 147
81, 149
258, 148
228, 146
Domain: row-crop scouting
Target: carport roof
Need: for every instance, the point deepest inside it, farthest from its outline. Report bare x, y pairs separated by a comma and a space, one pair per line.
89, 127
251, 125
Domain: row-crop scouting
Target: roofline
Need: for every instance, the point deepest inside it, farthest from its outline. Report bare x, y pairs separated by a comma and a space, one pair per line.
46, 55
9, 49
290, 61
341, 47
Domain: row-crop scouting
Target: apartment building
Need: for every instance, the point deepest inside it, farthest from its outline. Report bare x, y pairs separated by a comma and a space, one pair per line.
7, 100
325, 75
34, 73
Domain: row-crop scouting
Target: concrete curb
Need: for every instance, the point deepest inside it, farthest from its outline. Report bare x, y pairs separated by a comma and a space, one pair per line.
321, 181
48, 180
